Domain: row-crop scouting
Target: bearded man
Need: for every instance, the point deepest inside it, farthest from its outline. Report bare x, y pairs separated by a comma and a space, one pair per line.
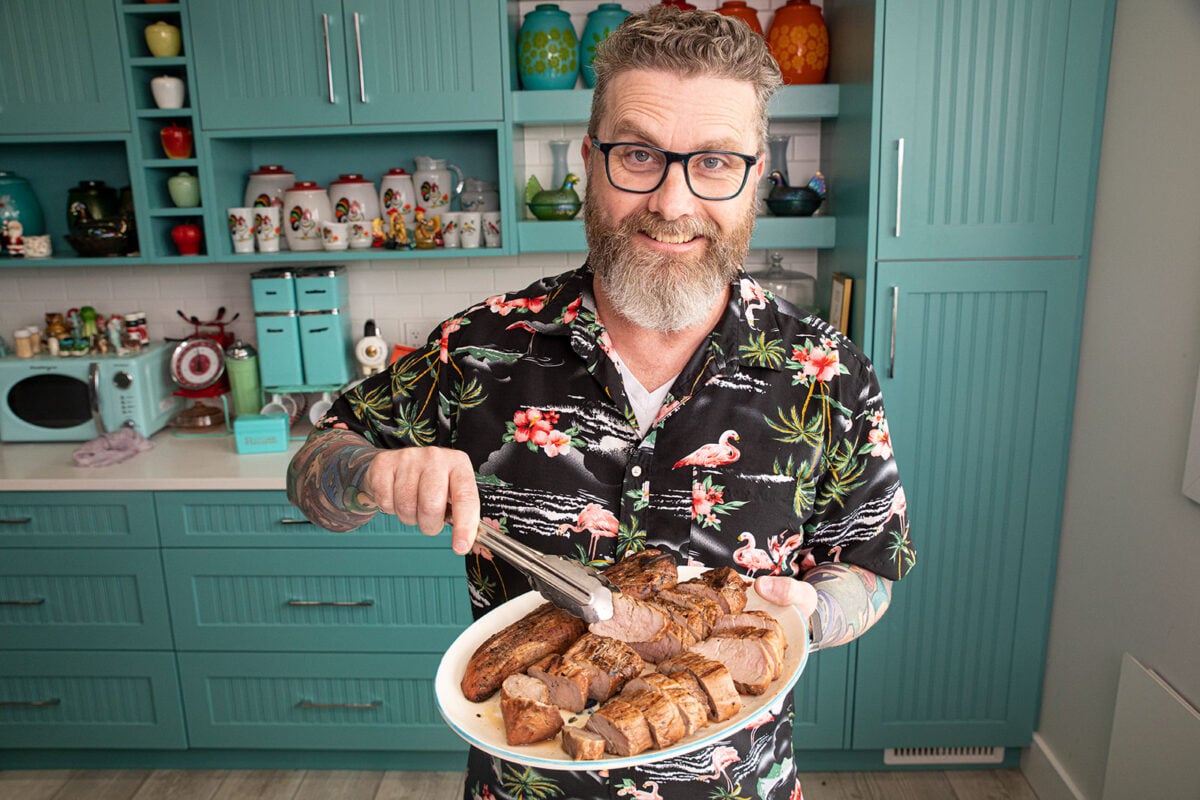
594, 413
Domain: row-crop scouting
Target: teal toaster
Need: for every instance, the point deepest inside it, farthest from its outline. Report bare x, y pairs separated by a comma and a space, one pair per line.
261, 433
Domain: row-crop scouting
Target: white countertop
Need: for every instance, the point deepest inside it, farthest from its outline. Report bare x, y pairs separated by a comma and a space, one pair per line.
175, 462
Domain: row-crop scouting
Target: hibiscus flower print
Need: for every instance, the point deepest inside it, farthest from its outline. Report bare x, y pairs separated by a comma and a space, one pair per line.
879, 440
816, 362
708, 500
535, 428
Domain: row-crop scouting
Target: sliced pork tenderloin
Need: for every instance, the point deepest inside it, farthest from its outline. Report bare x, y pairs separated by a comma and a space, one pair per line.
771, 637
706, 606
662, 716
642, 574
623, 727
686, 615
567, 680
527, 713
750, 619
691, 704
713, 677
513, 649
751, 662
729, 585
581, 744
672, 640
609, 664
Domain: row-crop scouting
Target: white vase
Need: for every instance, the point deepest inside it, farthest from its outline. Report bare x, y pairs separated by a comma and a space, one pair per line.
306, 209
168, 91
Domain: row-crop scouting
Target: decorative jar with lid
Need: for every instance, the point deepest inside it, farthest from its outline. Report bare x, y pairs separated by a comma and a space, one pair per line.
600, 23
799, 41
305, 206
547, 49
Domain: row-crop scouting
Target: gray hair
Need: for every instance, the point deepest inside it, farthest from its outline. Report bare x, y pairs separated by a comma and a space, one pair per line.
687, 43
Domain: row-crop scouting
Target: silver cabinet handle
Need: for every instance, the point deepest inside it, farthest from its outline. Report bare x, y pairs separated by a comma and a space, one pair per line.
30, 703
899, 182
334, 603
294, 521
895, 314
16, 521
37, 601
311, 704
328, 59
362, 84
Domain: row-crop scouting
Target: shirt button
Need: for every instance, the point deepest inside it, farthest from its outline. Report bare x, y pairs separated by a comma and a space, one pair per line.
636, 472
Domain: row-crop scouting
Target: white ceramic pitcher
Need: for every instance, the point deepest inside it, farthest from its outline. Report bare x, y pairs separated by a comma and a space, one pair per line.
435, 186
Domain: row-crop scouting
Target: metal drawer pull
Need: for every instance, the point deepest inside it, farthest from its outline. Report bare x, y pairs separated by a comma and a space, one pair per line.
37, 601
339, 603
16, 521
30, 703
311, 704
293, 521
895, 314
362, 84
328, 59
899, 182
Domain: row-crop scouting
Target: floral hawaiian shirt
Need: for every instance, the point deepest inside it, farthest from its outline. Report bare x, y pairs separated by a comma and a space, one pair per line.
770, 454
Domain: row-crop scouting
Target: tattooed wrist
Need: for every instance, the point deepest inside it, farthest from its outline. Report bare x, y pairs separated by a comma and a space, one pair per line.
327, 476
850, 600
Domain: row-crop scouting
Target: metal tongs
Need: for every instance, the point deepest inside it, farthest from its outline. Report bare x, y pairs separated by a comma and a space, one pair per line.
580, 590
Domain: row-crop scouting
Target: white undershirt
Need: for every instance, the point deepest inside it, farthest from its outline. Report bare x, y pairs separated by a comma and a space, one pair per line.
645, 403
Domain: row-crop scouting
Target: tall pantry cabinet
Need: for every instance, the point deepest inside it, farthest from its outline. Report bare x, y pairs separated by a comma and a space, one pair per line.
986, 123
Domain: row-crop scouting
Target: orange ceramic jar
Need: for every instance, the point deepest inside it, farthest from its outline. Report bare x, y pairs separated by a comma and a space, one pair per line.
799, 41
739, 9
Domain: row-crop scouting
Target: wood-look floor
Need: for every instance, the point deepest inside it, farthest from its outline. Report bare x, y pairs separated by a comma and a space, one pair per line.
998, 784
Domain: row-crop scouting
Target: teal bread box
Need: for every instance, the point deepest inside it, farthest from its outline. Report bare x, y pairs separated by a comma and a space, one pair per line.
325, 344
279, 348
261, 433
273, 290
322, 288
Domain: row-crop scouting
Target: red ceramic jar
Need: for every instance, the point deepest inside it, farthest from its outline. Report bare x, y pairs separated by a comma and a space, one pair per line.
799, 41
739, 10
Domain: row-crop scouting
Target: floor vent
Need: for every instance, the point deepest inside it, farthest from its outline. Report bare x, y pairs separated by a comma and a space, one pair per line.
901, 756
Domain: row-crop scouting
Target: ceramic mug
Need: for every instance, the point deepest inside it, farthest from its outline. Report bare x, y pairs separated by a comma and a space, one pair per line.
335, 235
241, 229
360, 234
266, 228
451, 228
491, 228
470, 228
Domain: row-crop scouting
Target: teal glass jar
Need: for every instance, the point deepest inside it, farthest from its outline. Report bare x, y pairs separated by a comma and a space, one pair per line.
547, 49
19, 203
600, 23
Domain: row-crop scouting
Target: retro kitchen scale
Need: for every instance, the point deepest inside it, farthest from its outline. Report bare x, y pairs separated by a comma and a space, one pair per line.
198, 369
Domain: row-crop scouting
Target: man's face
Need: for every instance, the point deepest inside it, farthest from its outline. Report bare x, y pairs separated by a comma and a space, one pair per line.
665, 258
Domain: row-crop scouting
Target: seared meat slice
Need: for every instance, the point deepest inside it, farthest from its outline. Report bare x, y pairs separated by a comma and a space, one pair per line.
714, 679
582, 745
672, 640
750, 660
567, 680
623, 727
686, 615
751, 619
632, 621
662, 716
693, 708
609, 663
543, 631
528, 716
708, 608
699, 589
729, 586
771, 637
642, 574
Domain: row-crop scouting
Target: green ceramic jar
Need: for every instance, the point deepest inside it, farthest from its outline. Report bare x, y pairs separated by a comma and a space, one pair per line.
547, 49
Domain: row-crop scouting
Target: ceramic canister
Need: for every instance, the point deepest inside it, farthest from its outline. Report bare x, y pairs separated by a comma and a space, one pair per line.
354, 198
799, 41
547, 49
305, 207
265, 187
600, 23
397, 193
435, 186
738, 9
18, 202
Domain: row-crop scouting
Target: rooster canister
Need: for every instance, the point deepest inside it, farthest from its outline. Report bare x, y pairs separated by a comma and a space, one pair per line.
799, 41
397, 195
354, 198
305, 206
435, 186
547, 49
265, 187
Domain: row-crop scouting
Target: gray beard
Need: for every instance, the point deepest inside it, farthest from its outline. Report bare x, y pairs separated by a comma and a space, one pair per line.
656, 291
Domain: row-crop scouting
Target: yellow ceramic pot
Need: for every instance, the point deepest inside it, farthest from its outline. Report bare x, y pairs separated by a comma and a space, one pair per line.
163, 39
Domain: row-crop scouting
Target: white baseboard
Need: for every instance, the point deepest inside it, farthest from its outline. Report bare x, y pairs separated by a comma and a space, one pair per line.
1046, 775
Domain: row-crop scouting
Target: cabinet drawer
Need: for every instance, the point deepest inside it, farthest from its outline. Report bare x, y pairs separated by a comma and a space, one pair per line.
313, 701
267, 519
103, 599
335, 600
73, 699
77, 519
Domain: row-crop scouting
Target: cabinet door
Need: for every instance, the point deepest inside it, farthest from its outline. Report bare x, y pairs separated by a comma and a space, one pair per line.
979, 400
61, 63
423, 62
999, 108
270, 63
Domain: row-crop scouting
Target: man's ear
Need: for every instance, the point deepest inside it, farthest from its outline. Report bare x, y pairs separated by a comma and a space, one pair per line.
585, 148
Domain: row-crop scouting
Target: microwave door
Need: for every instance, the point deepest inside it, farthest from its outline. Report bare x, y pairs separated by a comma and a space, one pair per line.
93, 390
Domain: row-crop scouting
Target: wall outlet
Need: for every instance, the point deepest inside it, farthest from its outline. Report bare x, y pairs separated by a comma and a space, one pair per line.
416, 333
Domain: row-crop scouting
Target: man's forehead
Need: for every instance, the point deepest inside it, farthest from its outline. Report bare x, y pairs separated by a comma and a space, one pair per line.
663, 103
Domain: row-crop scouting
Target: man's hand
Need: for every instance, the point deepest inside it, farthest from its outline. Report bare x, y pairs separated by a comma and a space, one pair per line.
426, 486
787, 592
846, 599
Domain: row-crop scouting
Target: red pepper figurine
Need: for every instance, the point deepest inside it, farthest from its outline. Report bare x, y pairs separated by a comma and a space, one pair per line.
177, 141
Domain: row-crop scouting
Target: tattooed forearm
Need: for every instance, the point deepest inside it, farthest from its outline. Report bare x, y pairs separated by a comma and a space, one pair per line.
850, 600
325, 476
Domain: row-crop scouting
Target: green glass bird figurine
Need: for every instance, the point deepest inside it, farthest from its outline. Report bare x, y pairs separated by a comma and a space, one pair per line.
794, 201
551, 204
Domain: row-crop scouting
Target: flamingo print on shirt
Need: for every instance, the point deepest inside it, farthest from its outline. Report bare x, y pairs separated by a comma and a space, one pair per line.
600, 522
752, 558
713, 454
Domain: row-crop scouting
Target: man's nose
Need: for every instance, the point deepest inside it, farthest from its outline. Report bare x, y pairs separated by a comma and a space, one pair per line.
673, 199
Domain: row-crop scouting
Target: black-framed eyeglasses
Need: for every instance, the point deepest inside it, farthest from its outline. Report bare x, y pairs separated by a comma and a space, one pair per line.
642, 168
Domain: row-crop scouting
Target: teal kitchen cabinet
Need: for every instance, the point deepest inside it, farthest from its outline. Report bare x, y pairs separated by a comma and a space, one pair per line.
62, 70
977, 364
989, 127
77, 519
316, 63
